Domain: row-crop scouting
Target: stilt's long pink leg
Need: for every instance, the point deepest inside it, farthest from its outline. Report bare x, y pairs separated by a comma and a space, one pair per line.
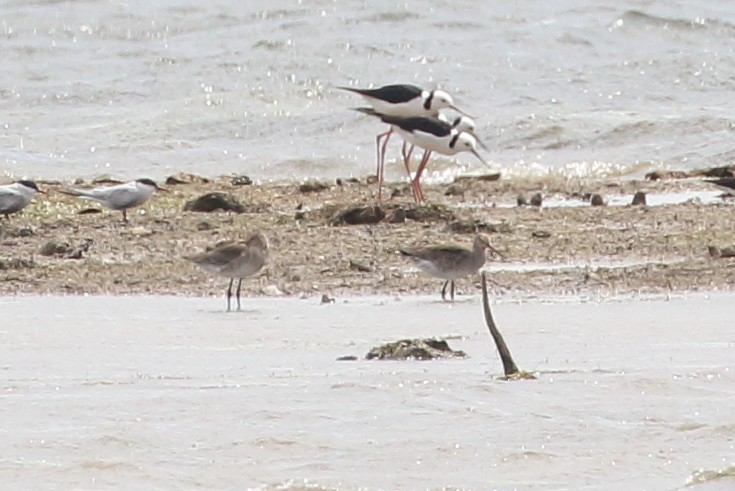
407, 164
407, 158
380, 171
419, 171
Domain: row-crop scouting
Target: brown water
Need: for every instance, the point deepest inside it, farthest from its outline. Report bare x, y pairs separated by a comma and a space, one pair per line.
173, 393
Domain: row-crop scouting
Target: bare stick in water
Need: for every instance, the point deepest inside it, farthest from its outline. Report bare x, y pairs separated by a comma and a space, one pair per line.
509, 366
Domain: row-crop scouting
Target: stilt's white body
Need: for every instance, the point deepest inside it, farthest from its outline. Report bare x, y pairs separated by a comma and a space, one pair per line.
414, 107
440, 144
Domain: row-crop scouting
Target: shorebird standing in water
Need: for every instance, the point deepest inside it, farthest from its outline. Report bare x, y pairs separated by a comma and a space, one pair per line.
431, 134
238, 260
121, 197
405, 101
14, 197
450, 263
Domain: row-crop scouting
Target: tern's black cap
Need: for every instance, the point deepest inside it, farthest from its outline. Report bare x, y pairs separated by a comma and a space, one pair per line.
29, 184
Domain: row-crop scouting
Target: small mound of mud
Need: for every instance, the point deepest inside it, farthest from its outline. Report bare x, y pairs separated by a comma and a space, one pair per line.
313, 187
476, 226
639, 199
185, 178
477, 178
414, 349
241, 180
64, 249
423, 213
357, 215
16, 263
658, 175
210, 202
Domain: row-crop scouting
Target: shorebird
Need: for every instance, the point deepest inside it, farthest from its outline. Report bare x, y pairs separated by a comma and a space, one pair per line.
14, 197
727, 184
238, 260
405, 101
431, 134
121, 197
450, 263
461, 124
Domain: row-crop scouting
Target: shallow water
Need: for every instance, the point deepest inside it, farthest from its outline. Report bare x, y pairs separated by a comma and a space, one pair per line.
572, 87
171, 392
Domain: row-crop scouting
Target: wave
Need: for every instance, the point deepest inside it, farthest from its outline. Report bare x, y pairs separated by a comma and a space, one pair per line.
639, 19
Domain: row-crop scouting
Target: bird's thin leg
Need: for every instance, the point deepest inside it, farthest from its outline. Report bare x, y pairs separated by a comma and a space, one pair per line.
451, 290
444, 290
239, 284
229, 293
406, 151
407, 164
125, 216
419, 171
380, 171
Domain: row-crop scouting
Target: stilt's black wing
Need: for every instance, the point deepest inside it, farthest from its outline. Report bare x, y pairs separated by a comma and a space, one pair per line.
423, 125
395, 94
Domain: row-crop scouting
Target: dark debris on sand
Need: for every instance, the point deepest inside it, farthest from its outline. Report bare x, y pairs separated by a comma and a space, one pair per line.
414, 349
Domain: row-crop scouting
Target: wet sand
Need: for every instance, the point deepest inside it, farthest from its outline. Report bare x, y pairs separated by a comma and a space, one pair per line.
171, 392
567, 247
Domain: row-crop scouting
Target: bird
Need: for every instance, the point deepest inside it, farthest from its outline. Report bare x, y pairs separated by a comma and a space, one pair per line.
406, 100
460, 123
449, 262
16, 196
402, 100
121, 197
235, 260
727, 184
431, 134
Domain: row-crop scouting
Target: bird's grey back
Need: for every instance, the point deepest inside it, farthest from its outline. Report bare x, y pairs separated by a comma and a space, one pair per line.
444, 255
11, 201
119, 197
233, 260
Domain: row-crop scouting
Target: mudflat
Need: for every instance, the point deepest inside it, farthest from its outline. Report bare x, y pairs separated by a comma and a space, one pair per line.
566, 246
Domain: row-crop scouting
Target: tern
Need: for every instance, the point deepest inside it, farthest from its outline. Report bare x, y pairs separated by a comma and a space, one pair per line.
235, 260
450, 263
121, 197
14, 197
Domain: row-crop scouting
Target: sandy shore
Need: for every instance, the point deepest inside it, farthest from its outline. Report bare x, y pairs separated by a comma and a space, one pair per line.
563, 249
